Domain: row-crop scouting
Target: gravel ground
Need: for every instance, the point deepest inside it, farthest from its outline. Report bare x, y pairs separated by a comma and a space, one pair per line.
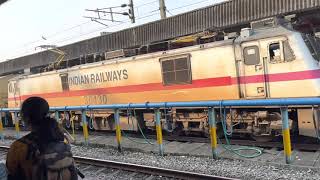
222, 167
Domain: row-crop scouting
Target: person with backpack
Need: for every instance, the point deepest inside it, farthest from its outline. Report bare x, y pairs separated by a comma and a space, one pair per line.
44, 153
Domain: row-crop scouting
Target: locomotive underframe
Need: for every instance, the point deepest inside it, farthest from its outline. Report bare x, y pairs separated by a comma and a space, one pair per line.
259, 123
262, 124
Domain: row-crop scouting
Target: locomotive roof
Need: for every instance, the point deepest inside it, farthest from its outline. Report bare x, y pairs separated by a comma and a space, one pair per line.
263, 33
133, 58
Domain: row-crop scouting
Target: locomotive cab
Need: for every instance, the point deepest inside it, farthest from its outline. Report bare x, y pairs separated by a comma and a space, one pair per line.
277, 62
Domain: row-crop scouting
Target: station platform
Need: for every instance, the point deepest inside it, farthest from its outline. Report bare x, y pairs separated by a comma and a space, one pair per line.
273, 156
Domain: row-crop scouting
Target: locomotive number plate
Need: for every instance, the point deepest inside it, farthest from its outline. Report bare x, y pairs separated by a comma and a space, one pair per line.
96, 99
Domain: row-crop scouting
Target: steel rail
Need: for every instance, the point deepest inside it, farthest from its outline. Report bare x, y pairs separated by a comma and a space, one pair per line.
6, 148
142, 168
147, 169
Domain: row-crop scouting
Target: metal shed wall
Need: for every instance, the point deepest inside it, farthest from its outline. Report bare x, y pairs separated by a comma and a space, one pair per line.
224, 15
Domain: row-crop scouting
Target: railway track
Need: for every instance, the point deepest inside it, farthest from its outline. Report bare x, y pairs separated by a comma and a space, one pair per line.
109, 169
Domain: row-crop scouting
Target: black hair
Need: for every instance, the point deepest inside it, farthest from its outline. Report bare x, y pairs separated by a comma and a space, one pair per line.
49, 131
35, 111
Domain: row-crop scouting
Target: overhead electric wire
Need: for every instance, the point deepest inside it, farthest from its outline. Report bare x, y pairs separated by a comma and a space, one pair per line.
180, 7
103, 28
84, 34
140, 5
71, 28
78, 25
58, 32
169, 12
195, 3
145, 4
26, 51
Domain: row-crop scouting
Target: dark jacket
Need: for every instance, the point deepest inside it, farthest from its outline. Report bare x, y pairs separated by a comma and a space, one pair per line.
19, 162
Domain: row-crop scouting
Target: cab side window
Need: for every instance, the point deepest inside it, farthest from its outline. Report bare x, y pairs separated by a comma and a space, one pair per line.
280, 52
287, 51
274, 52
176, 70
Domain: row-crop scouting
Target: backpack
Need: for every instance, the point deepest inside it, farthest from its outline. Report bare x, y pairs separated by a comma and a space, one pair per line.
51, 161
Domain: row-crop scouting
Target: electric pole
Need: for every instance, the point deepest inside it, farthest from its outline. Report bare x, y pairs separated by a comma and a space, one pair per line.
163, 9
131, 11
102, 12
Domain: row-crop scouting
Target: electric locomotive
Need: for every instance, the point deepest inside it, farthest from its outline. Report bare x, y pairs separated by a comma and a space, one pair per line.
259, 63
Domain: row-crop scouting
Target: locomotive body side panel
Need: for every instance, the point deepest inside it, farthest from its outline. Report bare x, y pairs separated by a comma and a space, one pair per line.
38, 86
213, 77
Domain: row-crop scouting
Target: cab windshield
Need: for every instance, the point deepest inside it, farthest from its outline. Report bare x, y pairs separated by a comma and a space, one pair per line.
313, 43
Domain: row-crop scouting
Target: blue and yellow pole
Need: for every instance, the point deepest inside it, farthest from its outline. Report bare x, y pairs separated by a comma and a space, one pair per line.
213, 132
118, 128
1, 127
16, 124
6, 119
85, 127
286, 134
159, 131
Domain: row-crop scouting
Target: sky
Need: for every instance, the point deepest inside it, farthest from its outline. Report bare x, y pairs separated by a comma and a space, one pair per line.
27, 24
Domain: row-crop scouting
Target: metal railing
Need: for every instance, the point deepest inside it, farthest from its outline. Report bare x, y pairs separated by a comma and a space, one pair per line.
283, 104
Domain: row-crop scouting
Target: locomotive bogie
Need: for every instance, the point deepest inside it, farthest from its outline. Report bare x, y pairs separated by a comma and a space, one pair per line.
98, 120
258, 123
